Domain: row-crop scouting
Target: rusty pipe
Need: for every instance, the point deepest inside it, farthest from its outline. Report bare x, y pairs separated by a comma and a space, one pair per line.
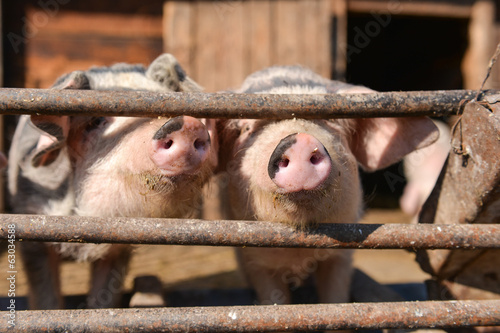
228, 105
248, 233
429, 314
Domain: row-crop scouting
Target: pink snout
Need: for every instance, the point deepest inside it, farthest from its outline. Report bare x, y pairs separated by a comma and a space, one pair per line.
299, 162
180, 146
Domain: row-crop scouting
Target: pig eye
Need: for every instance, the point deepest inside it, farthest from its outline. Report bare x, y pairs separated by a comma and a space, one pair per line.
96, 122
245, 128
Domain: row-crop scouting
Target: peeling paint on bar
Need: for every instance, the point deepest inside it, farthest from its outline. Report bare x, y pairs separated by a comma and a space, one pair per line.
264, 318
249, 233
215, 105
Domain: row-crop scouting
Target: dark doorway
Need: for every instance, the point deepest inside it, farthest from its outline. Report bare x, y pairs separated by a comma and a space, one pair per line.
402, 53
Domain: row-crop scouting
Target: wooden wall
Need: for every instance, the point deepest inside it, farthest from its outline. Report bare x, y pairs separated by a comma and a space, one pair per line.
218, 42
74, 40
46, 42
221, 42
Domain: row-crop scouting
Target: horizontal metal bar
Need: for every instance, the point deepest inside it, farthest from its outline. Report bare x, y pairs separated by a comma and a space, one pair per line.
248, 233
264, 318
211, 105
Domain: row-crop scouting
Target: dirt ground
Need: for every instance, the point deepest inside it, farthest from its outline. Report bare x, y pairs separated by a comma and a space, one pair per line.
202, 267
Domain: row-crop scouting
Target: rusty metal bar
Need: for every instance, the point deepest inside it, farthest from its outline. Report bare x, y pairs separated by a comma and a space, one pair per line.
264, 318
211, 105
248, 233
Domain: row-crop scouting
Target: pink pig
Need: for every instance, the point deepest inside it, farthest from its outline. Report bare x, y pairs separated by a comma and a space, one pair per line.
107, 167
305, 172
422, 169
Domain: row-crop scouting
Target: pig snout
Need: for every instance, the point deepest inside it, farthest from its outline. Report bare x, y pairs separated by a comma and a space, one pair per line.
180, 146
299, 162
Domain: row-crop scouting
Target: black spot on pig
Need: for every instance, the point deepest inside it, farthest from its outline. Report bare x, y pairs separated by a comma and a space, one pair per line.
170, 126
277, 155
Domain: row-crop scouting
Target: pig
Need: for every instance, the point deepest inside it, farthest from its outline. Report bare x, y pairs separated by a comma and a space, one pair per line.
422, 169
302, 173
3, 161
107, 167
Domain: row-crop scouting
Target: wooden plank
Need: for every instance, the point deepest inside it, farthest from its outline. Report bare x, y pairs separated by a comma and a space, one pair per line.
103, 24
301, 34
315, 39
1, 54
482, 42
323, 48
495, 72
228, 17
178, 34
48, 57
2, 146
306, 34
206, 38
286, 27
219, 38
258, 36
459, 9
339, 39
468, 191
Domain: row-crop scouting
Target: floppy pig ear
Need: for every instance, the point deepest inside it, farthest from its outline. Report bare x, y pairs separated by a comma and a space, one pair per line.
167, 71
52, 140
55, 128
380, 142
211, 125
3, 161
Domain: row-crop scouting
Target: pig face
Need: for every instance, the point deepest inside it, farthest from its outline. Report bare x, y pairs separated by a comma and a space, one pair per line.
142, 167
126, 166
284, 168
106, 166
303, 171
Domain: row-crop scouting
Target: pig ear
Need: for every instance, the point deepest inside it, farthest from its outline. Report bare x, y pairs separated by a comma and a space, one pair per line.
380, 142
54, 128
3, 161
211, 125
52, 140
228, 132
166, 71
73, 80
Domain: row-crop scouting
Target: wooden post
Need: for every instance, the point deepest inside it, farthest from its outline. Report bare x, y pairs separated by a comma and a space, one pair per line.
178, 18
467, 191
339, 39
482, 42
2, 185
221, 42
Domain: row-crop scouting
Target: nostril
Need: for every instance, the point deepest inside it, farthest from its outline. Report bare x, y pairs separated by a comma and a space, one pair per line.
284, 163
199, 144
168, 144
316, 159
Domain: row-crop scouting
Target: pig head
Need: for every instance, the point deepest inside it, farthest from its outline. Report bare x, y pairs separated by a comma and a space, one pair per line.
305, 172
107, 166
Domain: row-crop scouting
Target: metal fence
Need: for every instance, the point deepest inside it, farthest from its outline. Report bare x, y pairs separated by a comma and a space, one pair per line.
249, 233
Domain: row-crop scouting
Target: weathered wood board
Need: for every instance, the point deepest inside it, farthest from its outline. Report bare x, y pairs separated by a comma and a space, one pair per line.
467, 191
221, 42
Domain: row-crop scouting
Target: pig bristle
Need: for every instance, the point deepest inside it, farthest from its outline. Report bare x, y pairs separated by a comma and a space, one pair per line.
82, 252
87, 170
370, 143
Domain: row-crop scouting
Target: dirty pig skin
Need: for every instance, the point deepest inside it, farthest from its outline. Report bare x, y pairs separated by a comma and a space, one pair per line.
107, 167
305, 172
